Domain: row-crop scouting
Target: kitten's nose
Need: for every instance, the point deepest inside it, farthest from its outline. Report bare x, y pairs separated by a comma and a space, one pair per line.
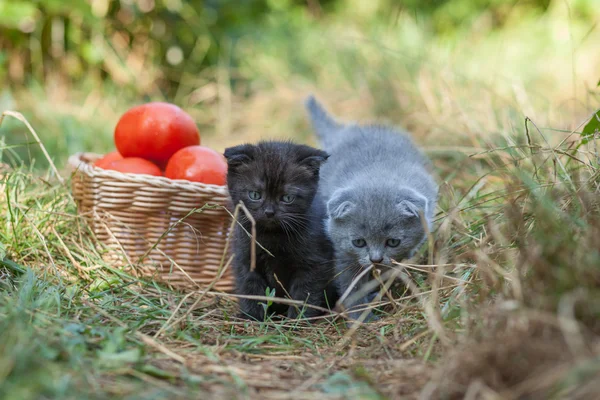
269, 212
376, 259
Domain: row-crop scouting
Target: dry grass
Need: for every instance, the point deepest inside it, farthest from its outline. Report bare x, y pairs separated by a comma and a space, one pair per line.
504, 303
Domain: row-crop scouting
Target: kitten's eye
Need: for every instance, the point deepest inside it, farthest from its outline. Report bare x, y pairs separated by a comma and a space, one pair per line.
359, 242
254, 195
288, 198
392, 242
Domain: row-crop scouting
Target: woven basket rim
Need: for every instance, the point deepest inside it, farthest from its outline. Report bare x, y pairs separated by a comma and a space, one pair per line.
81, 162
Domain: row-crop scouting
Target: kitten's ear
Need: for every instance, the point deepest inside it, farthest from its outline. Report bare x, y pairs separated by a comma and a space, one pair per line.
314, 159
412, 204
239, 155
340, 205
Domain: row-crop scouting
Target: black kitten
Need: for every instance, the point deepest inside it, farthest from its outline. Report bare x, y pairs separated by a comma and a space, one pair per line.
277, 182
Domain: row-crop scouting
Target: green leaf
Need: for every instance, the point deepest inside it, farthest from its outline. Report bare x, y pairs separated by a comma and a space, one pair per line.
103, 283
592, 127
157, 372
14, 267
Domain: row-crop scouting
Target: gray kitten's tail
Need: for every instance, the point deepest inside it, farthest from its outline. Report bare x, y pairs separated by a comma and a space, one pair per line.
323, 124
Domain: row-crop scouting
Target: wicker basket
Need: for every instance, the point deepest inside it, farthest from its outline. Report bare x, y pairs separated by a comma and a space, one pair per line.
148, 226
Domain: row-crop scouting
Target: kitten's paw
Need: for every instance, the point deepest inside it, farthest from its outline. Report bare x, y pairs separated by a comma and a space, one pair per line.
251, 316
247, 317
302, 313
372, 317
371, 296
292, 313
356, 315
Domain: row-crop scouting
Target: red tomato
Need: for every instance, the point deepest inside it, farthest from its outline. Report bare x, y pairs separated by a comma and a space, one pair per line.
198, 164
107, 159
134, 165
155, 131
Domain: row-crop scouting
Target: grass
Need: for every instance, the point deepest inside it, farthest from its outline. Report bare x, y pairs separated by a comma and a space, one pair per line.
504, 303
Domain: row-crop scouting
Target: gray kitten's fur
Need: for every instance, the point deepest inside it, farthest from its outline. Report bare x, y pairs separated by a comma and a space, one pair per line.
375, 182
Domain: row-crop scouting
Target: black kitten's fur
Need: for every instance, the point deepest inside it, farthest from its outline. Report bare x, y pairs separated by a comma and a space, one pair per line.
292, 232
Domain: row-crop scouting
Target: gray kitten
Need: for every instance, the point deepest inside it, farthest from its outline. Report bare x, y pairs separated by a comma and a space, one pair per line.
374, 183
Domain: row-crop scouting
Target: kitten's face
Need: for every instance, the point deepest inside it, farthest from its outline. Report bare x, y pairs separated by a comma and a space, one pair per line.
276, 181
375, 226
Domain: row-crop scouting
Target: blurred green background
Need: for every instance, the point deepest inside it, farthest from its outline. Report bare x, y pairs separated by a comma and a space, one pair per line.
242, 67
